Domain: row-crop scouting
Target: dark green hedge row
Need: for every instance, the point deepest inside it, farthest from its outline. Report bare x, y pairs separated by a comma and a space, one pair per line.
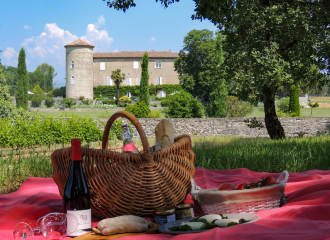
111, 91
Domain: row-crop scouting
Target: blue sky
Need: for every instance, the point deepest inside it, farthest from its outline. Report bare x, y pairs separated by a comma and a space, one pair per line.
43, 27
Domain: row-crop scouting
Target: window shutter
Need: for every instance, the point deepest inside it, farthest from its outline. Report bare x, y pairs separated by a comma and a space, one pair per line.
110, 82
72, 80
160, 80
136, 64
139, 81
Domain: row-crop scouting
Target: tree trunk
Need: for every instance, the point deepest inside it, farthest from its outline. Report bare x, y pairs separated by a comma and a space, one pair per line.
117, 94
273, 125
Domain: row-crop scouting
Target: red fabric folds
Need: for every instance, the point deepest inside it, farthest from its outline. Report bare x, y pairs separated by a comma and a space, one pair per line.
306, 215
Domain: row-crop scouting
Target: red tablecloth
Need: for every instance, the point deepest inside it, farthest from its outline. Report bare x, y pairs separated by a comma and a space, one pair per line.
305, 216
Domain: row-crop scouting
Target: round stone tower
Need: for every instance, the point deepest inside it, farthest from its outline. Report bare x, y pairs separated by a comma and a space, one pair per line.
79, 69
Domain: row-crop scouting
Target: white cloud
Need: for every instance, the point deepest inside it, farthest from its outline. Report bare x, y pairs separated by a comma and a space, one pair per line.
152, 39
27, 27
11, 57
116, 50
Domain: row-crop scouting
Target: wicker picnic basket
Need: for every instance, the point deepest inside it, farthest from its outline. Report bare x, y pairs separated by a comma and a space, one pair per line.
127, 183
213, 201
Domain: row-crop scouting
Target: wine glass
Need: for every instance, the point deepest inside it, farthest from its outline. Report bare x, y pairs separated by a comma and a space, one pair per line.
51, 226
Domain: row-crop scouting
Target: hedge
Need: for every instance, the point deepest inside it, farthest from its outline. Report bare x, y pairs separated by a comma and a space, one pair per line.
111, 91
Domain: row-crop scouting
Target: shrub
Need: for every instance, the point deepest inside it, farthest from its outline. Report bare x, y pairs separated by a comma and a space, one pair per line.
164, 102
237, 108
36, 101
155, 114
68, 102
294, 106
60, 92
81, 98
50, 94
183, 105
139, 109
124, 98
49, 102
85, 102
155, 105
283, 104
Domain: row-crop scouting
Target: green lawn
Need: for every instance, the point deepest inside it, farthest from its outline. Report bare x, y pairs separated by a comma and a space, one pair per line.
95, 113
304, 112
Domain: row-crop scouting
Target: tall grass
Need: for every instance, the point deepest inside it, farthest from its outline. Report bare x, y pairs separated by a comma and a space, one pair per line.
265, 155
219, 153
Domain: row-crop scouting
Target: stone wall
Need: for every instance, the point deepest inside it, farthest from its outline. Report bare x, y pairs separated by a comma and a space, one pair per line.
236, 126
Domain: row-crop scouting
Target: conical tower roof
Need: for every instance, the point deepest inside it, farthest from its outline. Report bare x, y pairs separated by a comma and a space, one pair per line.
79, 43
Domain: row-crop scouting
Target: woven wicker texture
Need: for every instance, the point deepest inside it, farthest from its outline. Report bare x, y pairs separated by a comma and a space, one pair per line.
125, 183
241, 201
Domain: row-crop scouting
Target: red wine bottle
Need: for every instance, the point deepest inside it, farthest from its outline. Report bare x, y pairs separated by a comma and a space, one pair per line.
76, 197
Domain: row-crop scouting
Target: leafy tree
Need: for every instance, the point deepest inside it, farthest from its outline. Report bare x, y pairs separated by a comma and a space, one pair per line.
140, 109
144, 87
237, 108
38, 91
183, 105
315, 105
294, 106
219, 95
50, 79
195, 62
271, 44
10, 74
6, 106
23, 82
118, 78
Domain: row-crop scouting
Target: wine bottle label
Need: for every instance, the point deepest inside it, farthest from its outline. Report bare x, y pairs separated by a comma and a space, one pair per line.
78, 220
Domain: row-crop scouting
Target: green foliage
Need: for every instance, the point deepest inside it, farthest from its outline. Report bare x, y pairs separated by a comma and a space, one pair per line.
69, 102
183, 105
315, 105
23, 82
50, 94
140, 109
218, 97
283, 104
10, 74
155, 114
38, 91
50, 79
49, 102
144, 86
294, 106
237, 108
59, 92
124, 98
36, 101
195, 62
81, 98
6, 106
118, 77
86, 102
43, 76
111, 91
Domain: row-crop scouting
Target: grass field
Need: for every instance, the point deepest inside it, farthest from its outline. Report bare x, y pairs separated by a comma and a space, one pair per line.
219, 153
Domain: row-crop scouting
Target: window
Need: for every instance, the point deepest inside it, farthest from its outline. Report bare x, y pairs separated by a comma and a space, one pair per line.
135, 64
129, 94
109, 81
139, 81
129, 82
72, 80
72, 65
102, 65
159, 80
158, 64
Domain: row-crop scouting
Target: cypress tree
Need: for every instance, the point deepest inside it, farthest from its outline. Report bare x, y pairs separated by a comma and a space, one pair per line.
144, 86
219, 95
23, 82
50, 80
294, 106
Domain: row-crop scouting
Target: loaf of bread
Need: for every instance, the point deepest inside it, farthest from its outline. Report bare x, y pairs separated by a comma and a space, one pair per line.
164, 133
122, 224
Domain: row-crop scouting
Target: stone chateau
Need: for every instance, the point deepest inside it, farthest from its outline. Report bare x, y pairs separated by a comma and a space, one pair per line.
86, 69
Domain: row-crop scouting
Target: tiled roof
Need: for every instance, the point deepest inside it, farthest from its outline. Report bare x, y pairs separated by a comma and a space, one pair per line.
79, 43
136, 54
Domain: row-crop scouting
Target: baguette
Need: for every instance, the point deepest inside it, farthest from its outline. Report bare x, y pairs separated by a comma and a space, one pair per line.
164, 133
123, 224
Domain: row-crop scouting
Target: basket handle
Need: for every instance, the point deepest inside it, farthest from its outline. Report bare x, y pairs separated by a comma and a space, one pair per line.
134, 120
283, 178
